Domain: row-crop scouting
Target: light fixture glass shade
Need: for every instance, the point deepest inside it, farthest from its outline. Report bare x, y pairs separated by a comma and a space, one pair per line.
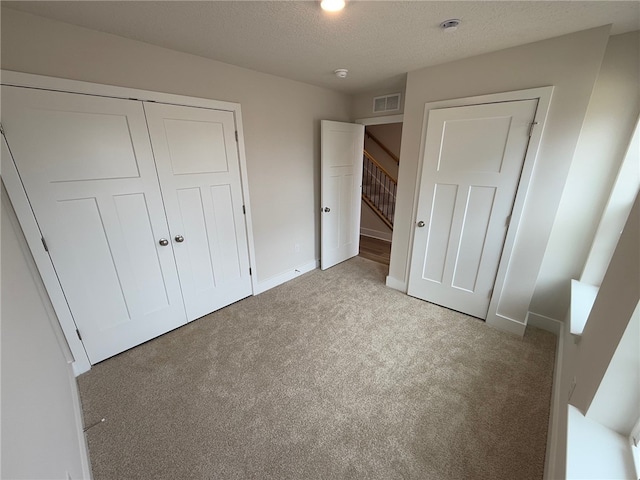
332, 5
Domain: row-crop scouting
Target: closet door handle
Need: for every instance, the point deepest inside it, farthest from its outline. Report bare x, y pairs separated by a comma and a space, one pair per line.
163, 242
179, 238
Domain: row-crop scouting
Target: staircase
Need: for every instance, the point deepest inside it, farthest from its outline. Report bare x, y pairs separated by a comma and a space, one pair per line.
379, 189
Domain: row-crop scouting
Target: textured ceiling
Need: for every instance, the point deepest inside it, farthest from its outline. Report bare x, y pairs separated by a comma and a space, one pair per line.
377, 41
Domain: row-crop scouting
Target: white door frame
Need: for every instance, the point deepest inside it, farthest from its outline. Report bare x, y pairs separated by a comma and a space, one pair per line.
385, 120
543, 95
382, 120
28, 222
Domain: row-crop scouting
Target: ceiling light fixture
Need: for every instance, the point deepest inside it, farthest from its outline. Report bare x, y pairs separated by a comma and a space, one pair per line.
450, 25
341, 72
332, 5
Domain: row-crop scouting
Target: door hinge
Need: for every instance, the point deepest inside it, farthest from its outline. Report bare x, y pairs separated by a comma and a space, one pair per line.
44, 244
491, 293
236, 135
250, 271
533, 124
244, 210
508, 221
79, 336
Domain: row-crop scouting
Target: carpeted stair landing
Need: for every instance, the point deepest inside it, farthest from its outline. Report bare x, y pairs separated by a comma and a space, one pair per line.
330, 376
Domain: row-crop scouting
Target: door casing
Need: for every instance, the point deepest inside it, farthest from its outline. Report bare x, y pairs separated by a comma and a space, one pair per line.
543, 95
27, 220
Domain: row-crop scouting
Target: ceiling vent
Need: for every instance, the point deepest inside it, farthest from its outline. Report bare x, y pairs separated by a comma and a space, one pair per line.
387, 103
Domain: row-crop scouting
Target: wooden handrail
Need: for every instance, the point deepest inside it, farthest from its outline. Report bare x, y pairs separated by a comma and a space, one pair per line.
383, 147
377, 164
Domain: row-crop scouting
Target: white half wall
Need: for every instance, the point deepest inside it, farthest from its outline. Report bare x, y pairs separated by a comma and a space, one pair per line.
281, 119
42, 435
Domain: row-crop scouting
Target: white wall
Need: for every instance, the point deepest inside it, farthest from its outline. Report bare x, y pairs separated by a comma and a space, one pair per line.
281, 119
571, 64
41, 429
608, 126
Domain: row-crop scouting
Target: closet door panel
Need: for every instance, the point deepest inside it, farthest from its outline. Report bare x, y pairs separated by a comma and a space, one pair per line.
88, 170
198, 167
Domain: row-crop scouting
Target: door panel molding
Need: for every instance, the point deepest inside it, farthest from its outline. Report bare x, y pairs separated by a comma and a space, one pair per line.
544, 95
19, 199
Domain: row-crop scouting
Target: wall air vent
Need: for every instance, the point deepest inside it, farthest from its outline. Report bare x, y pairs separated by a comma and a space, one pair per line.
387, 103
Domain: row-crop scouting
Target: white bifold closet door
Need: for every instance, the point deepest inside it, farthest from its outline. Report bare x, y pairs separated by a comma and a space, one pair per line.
88, 169
197, 160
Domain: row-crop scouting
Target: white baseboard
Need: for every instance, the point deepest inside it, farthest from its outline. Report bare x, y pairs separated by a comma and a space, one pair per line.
367, 232
551, 458
506, 324
272, 282
545, 323
83, 448
396, 284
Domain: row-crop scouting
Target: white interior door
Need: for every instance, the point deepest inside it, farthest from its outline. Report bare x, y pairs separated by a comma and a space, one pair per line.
472, 163
199, 171
341, 178
88, 170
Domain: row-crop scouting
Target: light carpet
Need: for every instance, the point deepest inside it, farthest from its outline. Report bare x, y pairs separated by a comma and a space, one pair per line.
329, 376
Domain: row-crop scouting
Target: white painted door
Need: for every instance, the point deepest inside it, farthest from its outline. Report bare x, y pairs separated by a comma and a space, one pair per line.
197, 159
341, 178
88, 170
473, 158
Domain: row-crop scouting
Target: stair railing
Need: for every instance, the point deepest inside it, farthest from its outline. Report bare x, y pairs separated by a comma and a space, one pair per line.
379, 189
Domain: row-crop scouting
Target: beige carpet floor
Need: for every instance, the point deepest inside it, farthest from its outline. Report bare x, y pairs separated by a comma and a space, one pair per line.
330, 376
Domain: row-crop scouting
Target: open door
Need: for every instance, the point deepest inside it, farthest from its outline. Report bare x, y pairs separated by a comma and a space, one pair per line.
341, 178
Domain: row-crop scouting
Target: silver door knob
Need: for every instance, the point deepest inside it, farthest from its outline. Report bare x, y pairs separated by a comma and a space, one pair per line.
179, 238
421, 224
164, 242
327, 209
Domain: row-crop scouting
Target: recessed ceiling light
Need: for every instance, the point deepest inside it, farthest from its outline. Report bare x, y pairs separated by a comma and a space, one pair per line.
332, 5
450, 25
341, 72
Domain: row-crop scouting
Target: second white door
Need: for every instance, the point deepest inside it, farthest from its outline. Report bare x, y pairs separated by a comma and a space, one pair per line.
197, 161
341, 191
472, 164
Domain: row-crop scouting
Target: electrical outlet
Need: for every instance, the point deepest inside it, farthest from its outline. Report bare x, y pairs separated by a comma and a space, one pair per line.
297, 248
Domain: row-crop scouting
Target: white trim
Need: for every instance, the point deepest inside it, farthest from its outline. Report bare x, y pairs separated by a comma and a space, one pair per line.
396, 284
368, 232
544, 323
583, 296
85, 459
272, 282
383, 120
555, 411
244, 183
508, 325
18, 79
543, 95
27, 219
